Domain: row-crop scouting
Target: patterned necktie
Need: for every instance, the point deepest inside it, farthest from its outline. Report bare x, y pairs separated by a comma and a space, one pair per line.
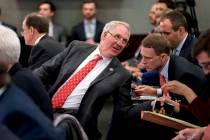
162, 82
66, 89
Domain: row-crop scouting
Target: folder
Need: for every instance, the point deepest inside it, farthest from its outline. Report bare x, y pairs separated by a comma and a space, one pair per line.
165, 120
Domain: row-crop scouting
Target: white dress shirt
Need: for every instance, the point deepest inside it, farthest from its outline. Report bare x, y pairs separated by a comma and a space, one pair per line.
2, 89
164, 72
75, 98
50, 32
38, 39
90, 27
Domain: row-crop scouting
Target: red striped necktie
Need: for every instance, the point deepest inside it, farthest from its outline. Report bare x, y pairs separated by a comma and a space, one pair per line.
66, 89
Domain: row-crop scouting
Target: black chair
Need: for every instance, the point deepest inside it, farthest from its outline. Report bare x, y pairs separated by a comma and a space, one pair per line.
72, 127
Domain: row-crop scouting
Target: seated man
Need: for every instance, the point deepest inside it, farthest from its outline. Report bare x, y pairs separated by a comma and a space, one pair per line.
20, 115
22, 77
155, 52
86, 75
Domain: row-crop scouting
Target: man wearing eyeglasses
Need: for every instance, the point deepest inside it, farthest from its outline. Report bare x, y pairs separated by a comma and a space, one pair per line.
107, 78
173, 26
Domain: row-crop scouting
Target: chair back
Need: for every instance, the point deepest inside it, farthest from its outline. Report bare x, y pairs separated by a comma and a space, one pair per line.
72, 127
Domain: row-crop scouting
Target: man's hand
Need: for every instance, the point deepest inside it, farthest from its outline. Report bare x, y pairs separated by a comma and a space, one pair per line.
144, 90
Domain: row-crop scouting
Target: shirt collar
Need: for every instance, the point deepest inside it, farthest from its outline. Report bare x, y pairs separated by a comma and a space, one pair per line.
2, 90
164, 70
97, 52
178, 49
38, 39
93, 21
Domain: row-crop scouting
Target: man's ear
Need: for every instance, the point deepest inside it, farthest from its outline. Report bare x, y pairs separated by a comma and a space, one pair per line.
163, 56
52, 14
32, 30
104, 35
181, 30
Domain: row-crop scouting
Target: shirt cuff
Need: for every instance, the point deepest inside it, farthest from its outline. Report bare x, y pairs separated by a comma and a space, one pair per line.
159, 92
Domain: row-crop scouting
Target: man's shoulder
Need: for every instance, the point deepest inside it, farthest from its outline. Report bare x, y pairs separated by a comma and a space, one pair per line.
47, 42
120, 68
100, 23
190, 40
78, 25
18, 96
81, 43
58, 27
182, 64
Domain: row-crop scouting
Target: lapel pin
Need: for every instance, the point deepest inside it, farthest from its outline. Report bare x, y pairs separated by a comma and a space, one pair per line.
111, 69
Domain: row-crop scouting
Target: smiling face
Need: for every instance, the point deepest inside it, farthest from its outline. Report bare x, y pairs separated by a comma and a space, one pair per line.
114, 41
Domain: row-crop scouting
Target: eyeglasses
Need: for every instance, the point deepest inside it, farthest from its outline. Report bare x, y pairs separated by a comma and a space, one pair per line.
118, 37
204, 65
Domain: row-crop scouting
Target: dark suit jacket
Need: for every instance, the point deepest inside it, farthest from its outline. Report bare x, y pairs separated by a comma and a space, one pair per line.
20, 115
44, 50
113, 81
186, 50
78, 31
59, 34
187, 73
6, 134
181, 70
33, 87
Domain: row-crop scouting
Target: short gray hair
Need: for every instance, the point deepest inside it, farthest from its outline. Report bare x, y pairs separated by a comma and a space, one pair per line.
113, 24
9, 45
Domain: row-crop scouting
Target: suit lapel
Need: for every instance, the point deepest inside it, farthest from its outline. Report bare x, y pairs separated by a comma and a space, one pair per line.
96, 31
110, 69
82, 31
186, 46
79, 58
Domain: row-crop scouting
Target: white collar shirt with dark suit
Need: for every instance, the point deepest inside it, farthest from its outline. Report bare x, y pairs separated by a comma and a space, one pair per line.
114, 81
43, 50
181, 70
74, 100
78, 31
185, 47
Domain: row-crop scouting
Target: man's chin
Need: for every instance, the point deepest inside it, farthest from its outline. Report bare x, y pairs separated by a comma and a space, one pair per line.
148, 70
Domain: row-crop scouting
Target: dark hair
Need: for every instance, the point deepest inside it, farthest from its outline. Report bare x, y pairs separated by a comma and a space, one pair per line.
89, 1
177, 19
52, 6
203, 44
169, 3
38, 22
158, 42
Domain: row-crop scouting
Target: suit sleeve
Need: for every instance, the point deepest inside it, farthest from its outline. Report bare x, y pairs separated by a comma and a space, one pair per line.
49, 71
201, 110
128, 109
